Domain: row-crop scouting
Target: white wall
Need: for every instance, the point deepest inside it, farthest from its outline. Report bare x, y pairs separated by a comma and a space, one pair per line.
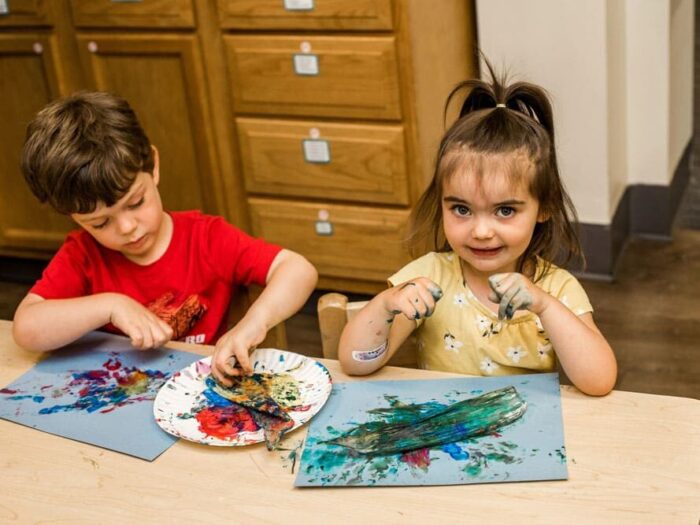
620, 76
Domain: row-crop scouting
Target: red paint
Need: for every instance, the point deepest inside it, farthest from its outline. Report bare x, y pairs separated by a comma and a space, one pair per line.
225, 422
112, 364
417, 458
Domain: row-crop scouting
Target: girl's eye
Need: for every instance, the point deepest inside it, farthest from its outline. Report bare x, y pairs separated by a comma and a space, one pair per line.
505, 211
460, 210
136, 204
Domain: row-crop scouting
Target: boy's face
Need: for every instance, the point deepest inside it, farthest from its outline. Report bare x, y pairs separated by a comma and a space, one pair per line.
134, 225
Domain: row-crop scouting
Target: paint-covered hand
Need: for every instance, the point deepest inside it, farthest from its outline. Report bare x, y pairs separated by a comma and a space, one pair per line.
232, 353
415, 298
144, 328
512, 292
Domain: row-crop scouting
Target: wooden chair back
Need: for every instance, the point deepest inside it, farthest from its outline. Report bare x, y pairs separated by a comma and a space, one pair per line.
334, 311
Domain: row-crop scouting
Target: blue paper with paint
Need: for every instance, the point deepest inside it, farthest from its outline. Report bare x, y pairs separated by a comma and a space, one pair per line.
529, 448
98, 390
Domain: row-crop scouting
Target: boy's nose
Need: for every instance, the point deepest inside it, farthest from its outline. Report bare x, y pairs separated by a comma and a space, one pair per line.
126, 225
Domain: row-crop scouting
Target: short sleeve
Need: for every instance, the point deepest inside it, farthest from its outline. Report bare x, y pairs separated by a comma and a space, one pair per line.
65, 276
240, 258
570, 292
421, 267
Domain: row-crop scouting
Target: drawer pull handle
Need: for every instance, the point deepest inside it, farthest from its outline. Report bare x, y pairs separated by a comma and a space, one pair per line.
37, 48
299, 5
324, 226
316, 151
5, 9
305, 64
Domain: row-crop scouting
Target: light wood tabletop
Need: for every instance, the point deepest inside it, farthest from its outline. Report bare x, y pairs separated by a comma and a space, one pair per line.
632, 458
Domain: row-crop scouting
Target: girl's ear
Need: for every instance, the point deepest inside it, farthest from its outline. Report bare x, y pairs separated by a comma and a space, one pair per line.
156, 165
543, 215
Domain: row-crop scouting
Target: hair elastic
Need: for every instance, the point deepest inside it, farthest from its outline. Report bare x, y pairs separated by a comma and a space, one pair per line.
500, 105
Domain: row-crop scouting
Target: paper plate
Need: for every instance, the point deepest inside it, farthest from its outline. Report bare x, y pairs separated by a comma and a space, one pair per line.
182, 409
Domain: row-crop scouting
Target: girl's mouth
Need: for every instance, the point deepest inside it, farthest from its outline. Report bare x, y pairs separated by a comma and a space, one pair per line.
485, 252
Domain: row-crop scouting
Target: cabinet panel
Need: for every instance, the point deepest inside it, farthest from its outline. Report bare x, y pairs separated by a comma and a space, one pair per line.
25, 13
28, 81
363, 15
329, 160
162, 78
357, 77
129, 14
365, 243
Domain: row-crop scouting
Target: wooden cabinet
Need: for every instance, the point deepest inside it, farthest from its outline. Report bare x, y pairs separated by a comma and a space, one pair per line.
339, 113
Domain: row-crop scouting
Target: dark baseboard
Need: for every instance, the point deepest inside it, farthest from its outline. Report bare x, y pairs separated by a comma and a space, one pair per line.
645, 210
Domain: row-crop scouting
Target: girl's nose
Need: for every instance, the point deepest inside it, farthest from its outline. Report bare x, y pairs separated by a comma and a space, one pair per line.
482, 228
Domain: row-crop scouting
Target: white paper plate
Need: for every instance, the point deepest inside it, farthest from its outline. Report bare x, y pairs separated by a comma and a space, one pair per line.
182, 409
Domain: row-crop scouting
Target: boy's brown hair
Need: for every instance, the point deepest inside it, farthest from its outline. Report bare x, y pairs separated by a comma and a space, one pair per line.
83, 150
497, 119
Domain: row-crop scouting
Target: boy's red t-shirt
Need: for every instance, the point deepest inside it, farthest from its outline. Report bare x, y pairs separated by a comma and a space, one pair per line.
190, 286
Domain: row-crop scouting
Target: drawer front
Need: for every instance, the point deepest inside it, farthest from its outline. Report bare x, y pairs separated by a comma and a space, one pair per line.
315, 159
24, 13
144, 13
361, 15
365, 243
354, 76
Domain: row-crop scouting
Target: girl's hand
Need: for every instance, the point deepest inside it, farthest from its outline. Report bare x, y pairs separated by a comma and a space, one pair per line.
231, 355
415, 298
514, 291
143, 327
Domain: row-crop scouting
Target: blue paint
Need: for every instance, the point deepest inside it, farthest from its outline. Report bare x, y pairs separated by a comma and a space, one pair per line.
455, 451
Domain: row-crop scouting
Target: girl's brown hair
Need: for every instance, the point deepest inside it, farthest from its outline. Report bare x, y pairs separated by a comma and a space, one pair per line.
501, 119
83, 150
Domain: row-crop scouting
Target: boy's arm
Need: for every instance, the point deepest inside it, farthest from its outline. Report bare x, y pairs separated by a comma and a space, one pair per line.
377, 331
46, 324
290, 281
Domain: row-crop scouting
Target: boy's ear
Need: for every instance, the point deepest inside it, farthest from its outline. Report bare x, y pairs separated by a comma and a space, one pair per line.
156, 165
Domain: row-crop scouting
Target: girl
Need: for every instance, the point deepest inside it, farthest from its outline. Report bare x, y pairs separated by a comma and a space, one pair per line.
488, 301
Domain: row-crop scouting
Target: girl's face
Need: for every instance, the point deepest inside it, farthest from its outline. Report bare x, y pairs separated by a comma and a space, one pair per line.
488, 219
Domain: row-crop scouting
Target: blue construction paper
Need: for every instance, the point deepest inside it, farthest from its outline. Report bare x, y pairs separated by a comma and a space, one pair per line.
531, 448
75, 393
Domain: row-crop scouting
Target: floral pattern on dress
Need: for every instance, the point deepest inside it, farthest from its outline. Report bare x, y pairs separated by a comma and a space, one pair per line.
460, 300
543, 349
515, 353
452, 344
486, 326
488, 365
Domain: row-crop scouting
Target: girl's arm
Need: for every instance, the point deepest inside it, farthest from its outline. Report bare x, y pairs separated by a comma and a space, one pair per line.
46, 324
583, 352
290, 281
370, 339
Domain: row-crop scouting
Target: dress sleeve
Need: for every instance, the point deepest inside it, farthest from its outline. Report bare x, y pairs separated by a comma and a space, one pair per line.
570, 292
240, 258
65, 276
421, 267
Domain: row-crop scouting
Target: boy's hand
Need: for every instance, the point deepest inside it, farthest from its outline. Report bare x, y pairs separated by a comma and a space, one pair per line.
237, 343
514, 291
415, 298
145, 329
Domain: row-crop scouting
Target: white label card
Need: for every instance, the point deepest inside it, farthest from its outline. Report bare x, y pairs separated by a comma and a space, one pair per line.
4, 8
306, 64
299, 5
316, 151
324, 228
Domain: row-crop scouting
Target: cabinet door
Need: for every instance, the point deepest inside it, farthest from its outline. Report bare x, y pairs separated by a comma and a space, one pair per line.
28, 80
130, 13
24, 13
162, 78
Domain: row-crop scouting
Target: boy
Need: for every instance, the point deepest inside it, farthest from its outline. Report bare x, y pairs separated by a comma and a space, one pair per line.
134, 268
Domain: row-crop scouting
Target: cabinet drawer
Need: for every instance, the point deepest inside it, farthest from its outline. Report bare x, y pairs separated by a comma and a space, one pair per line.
355, 77
316, 159
125, 13
365, 244
24, 13
361, 15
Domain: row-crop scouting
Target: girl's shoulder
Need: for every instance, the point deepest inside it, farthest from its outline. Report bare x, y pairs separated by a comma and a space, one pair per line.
433, 265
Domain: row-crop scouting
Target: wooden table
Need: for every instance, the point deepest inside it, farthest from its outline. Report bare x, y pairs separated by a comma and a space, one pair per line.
633, 458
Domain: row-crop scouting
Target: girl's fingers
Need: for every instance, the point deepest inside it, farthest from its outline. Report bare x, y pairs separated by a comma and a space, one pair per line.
505, 306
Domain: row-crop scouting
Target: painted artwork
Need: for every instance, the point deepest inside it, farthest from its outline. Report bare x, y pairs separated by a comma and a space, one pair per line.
284, 392
437, 432
98, 390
